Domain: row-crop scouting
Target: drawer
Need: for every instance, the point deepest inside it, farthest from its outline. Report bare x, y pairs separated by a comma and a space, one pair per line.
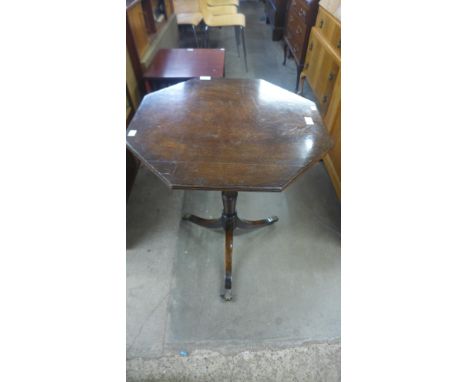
312, 61
300, 10
296, 34
322, 21
329, 70
295, 48
321, 70
329, 27
335, 38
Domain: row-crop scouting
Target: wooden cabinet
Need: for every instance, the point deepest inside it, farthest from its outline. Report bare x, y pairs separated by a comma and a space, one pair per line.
301, 15
138, 59
137, 20
322, 70
332, 121
142, 23
275, 11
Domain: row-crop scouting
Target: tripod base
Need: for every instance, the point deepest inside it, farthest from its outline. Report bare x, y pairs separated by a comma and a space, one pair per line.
229, 221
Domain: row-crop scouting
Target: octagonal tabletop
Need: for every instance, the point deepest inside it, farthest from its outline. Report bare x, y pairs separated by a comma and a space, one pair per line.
227, 134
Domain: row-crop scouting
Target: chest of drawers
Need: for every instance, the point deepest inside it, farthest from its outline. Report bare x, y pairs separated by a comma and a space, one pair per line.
322, 70
300, 17
275, 11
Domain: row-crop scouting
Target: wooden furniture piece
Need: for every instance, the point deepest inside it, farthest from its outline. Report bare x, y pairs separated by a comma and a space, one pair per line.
171, 66
323, 73
275, 11
166, 37
138, 59
301, 15
227, 135
142, 24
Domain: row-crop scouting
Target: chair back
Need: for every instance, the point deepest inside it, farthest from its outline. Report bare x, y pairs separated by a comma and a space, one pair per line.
186, 6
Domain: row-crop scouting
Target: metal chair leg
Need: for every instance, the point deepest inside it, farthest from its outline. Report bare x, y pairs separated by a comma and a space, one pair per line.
245, 51
195, 35
206, 36
236, 31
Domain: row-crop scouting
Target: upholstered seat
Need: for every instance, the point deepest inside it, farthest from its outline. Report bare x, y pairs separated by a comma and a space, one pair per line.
215, 3
188, 13
189, 18
225, 20
231, 19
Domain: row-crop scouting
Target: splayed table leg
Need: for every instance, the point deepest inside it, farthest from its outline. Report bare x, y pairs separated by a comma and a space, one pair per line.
229, 221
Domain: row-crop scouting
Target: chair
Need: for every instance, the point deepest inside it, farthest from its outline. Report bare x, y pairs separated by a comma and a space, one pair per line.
188, 13
214, 17
216, 3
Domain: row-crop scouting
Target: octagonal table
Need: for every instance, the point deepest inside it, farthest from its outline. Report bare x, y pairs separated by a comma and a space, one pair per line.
228, 135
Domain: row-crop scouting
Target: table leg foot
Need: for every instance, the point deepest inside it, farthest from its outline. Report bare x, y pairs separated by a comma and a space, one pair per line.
252, 224
227, 296
207, 223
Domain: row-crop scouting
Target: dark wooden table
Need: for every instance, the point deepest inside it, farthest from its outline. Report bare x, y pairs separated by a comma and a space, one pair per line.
171, 66
228, 135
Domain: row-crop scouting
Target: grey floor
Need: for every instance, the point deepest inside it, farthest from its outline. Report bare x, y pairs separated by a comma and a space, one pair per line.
284, 321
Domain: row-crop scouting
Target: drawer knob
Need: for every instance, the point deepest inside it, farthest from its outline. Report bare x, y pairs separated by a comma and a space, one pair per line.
321, 24
324, 99
311, 46
330, 76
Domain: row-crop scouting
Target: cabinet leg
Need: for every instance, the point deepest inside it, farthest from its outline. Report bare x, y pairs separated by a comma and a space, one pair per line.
299, 70
301, 84
285, 53
148, 86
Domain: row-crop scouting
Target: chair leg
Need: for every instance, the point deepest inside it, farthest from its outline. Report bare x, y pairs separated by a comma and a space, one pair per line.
236, 31
245, 51
206, 36
195, 35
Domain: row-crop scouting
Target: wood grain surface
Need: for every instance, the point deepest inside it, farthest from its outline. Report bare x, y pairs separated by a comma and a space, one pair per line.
186, 63
227, 134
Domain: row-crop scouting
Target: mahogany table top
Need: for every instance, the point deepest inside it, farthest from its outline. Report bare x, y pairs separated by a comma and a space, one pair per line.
227, 134
186, 63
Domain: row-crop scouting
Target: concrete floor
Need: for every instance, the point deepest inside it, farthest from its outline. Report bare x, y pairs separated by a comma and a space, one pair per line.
284, 322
